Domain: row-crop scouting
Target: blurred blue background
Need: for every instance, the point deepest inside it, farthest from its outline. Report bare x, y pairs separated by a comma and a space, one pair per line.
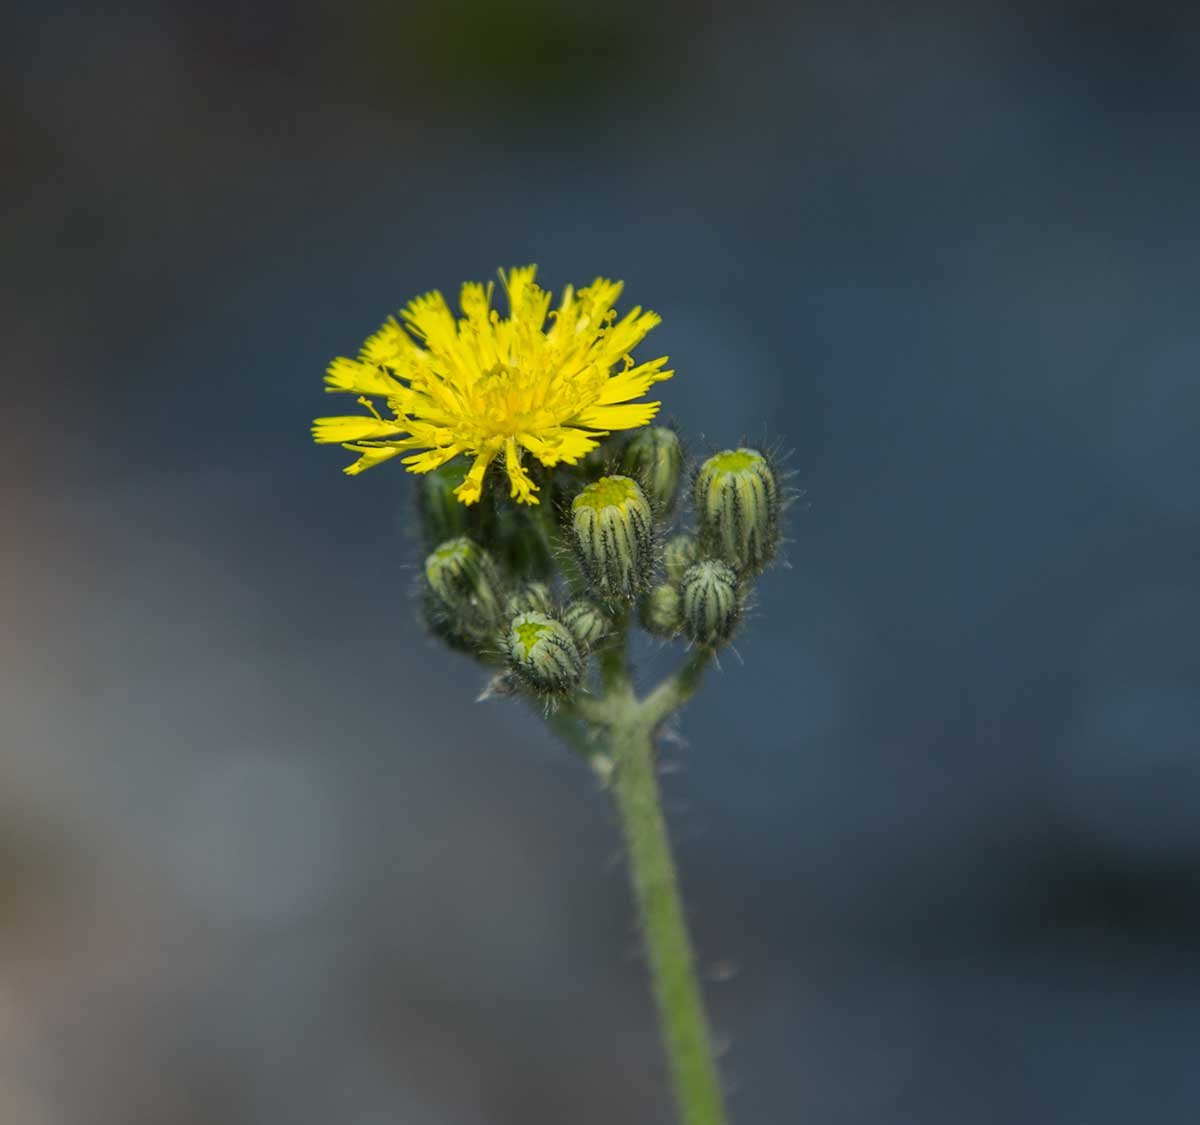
261, 858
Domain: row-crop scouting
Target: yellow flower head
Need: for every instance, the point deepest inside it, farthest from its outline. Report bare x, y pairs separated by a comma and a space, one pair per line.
487, 386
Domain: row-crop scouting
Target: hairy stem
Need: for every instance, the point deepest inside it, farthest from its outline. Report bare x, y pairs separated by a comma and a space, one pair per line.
626, 727
614, 661
669, 950
676, 690
572, 731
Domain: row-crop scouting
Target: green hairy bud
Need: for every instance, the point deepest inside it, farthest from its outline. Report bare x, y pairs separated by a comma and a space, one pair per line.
737, 507
587, 621
709, 603
462, 576
613, 530
655, 458
659, 611
463, 602
533, 595
680, 552
542, 654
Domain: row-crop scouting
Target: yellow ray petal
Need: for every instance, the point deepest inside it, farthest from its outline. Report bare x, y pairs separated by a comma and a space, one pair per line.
623, 336
371, 455
472, 488
358, 377
353, 427
522, 487
625, 417
563, 444
391, 344
430, 318
574, 444
431, 459
632, 383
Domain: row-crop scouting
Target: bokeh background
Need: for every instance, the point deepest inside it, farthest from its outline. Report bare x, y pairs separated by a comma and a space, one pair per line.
261, 858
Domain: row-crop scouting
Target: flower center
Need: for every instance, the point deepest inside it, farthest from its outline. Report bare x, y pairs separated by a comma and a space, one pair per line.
502, 402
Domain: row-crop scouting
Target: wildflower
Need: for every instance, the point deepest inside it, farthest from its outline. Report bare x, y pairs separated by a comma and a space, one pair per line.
488, 387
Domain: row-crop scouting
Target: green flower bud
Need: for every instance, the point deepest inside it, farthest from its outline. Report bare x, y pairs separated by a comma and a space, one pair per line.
709, 603
588, 623
542, 654
533, 595
463, 603
737, 507
442, 515
655, 458
659, 611
680, 552
613, 530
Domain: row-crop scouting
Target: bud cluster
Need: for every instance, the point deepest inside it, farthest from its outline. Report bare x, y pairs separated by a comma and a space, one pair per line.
736, 506
489, 584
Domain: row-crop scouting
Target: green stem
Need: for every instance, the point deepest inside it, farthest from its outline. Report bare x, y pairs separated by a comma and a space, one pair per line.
572, 731
676, 690
614, 661
669, 949
627, 726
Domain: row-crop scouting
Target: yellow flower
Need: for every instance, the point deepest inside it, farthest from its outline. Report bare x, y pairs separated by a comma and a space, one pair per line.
486, 386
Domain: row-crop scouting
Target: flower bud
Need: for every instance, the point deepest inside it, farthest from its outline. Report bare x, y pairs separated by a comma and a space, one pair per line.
737, 508
659, 611
680, 552
533, 595
655, 458
542, 654
613, 530
463, 599
587, 621
709, 603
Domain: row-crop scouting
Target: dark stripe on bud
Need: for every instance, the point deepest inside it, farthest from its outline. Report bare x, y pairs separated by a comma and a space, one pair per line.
737, 509
709, 603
